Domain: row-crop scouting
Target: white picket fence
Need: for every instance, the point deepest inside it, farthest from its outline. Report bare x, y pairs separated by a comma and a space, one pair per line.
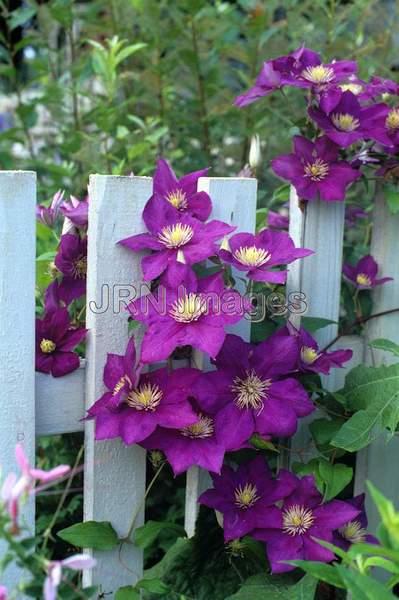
34, 404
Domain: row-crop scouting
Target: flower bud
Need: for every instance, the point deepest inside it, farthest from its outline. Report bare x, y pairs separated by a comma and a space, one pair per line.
255, 155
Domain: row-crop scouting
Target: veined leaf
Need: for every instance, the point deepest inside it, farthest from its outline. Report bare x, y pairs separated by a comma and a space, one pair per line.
387, 345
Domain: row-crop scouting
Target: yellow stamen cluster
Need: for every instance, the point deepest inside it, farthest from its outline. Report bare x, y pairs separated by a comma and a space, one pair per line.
176, 235
252, 256
251, 391
317, 171
355, 88
319, 74
353, 532
47, 346
345, 121
146, 397
178, 199
392, 120
363, 279
80, 268
188, 309
201, 429
246, 496
308, 355
297, 520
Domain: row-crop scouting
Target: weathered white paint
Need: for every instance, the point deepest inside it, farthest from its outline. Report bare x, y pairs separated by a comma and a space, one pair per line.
17, 329
60, 402
234, 202
114, 482
319, 226
375, 463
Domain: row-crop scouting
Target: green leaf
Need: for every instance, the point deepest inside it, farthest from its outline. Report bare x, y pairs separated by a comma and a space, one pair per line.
336, 477
313, 324
259, 442
260, 587
391, 194
158, 571
387, 345
46, 256
21, 16
91, 534
320, 571
388, 514
144, 536
127, 593
323, 430
153, 586
362, 586
374, 394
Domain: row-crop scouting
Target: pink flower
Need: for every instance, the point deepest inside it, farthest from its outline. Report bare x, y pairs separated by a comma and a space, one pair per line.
77, 562
3, 592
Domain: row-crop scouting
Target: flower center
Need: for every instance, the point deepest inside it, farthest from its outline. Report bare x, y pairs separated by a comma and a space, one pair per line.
353, 532
120, 384
146, 397
246, 496
363, 279
308, 355
80, 267
345, 121
318, 74
203, 428
252, 256
392, 120
47, 346
176, 235
355, 88
317, 171
188, 309
178, 199
251, 391
297, 520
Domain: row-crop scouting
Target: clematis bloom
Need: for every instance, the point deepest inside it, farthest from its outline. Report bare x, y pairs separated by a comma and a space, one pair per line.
77, 211
364, 274
48, 215
71, 261
77, 562
354, 532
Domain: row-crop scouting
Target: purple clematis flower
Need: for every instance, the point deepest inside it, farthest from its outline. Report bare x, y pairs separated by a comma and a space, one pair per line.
71, 260
258, 254
55, 340
310, 358
276, 220
246, 497
348, 121
193, 316
204, 443
77, 211
48, 215
251, 384
354, 532
181, 193
303, 519
352, 214
314, 169
388, 131
136, 403
364, 274
177, 240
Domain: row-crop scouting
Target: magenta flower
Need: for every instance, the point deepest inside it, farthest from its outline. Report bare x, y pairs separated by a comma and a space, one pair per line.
77, 562
364, 274
135, 403
181, 193
204, 443
252, 386
71, 261
246, 497
193, 316
77, 211
348, 121
55, 340
352, 214
303, 519
258, 254
276, 220
354, 532
48, 215
176, 240
314, 169
388, 132
3, 589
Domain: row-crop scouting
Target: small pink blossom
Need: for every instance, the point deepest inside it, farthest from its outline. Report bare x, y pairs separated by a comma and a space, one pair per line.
77, 562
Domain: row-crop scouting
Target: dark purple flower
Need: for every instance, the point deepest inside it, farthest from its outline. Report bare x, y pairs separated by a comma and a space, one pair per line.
314, 169
348, 121
364, 274
388, 131
71, 261
258, 254
182, 193
176, 240
246, 497
303, 519
77, 211
48, 215
251, 384
55, 340
352, 213
354, 532
136, 403
193, 316
276, 220
203, 443
381, 87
